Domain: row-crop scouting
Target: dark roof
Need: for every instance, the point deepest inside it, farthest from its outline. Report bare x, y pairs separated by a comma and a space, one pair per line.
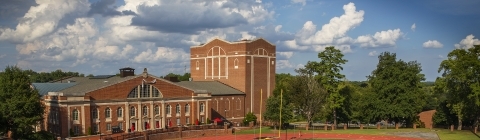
213, 87
86, 84
127, 68
44, 88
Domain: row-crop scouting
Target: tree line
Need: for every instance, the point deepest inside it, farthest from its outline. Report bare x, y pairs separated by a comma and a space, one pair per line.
395, 91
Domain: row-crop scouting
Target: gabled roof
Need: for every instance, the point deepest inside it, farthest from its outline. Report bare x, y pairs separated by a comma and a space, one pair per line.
86, 84
235, 42
44, 88
214, 87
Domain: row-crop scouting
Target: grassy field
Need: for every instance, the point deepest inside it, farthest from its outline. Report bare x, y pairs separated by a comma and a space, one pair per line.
443, 134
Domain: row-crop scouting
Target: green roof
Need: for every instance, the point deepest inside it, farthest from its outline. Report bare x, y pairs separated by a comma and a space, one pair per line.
44, 88
213, 87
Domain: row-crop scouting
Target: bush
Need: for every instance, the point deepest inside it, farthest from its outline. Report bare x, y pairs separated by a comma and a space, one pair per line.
89, 131
208, 121
249, 118
71, 133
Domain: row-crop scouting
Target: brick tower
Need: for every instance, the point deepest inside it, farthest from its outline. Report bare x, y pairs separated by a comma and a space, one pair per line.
247, 65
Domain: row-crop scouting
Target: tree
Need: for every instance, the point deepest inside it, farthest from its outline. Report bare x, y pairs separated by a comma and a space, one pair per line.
329, 76
307, 95
461, 75
272, 112
250, 117
397, 89
20, 106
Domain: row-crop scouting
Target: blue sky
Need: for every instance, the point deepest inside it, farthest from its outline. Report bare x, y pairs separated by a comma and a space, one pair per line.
101, 36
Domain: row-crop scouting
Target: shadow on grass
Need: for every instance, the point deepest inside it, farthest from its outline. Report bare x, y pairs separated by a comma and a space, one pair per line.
473, 132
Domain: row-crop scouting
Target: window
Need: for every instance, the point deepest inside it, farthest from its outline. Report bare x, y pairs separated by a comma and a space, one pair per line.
95, 127
75, 115
178, 121
76, 130
235, 63
119, 112
109, 126
187, 121
120, 125
133, 93
197, 68
202, 107
239, 104
248, 60
107, 113
145, 110
145, 92
168, 109
203, 119
227, 104
157, 110
178, 109
156, 92
187, 109
273, 62
95, 114
132, 111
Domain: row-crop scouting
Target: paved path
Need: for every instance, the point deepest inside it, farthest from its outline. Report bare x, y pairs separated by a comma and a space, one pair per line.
308, 136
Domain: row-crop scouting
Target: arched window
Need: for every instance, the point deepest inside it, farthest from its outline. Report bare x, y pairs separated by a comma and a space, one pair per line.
156, 92
168, 109
227, 104
196, 66
75, 115
119, 112
145, 92
132, 111
178, 109
239, 104
202, 107
157, 110
107, 112
133, 93
235, 63
145, 110
95, 113
187, 109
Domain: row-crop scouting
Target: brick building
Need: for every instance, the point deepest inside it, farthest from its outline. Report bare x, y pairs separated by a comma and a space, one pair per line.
226, 81
246, 65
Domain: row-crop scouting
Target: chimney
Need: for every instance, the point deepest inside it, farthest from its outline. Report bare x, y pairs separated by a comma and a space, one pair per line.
127, 71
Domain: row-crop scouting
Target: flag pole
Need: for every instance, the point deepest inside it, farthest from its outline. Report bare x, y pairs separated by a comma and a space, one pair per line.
279, 129
261, 100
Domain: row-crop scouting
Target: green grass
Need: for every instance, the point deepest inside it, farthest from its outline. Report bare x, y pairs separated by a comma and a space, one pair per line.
444, 134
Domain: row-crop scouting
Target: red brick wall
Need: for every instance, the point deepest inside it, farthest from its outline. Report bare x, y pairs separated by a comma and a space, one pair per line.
239, 78
426, 117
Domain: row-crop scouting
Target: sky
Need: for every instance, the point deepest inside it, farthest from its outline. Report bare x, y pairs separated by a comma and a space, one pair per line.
101, 36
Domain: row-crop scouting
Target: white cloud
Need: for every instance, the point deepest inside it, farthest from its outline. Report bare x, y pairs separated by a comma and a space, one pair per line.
441, 56
380, 39
336, 28
373, 53
284, 64
163, 54
43, 19
468, 42
303, 2
3, 55
331, 34
284, 55
432, 44
413, 27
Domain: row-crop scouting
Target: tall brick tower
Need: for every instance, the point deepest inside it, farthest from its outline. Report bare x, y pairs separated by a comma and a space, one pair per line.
247, 65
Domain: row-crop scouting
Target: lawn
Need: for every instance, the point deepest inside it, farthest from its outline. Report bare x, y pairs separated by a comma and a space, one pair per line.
443, 134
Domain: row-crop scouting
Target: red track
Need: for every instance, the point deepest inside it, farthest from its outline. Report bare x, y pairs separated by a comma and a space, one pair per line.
308, 136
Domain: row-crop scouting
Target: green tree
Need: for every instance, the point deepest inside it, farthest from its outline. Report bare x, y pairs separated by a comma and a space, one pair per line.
397, 89
272, 112
20, 106
307, 95
250, 117
461, 75
328, 75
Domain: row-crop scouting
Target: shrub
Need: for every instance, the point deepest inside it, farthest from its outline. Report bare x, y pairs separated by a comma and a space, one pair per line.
89, 131
71, 133
249, 118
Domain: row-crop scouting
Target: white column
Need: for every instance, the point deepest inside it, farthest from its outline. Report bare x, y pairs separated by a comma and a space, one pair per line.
164, 117
69, 118
126, 115
152, 116
82, 113
139, 114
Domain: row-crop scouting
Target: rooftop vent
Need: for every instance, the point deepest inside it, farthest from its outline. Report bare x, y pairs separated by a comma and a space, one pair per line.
127, 71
